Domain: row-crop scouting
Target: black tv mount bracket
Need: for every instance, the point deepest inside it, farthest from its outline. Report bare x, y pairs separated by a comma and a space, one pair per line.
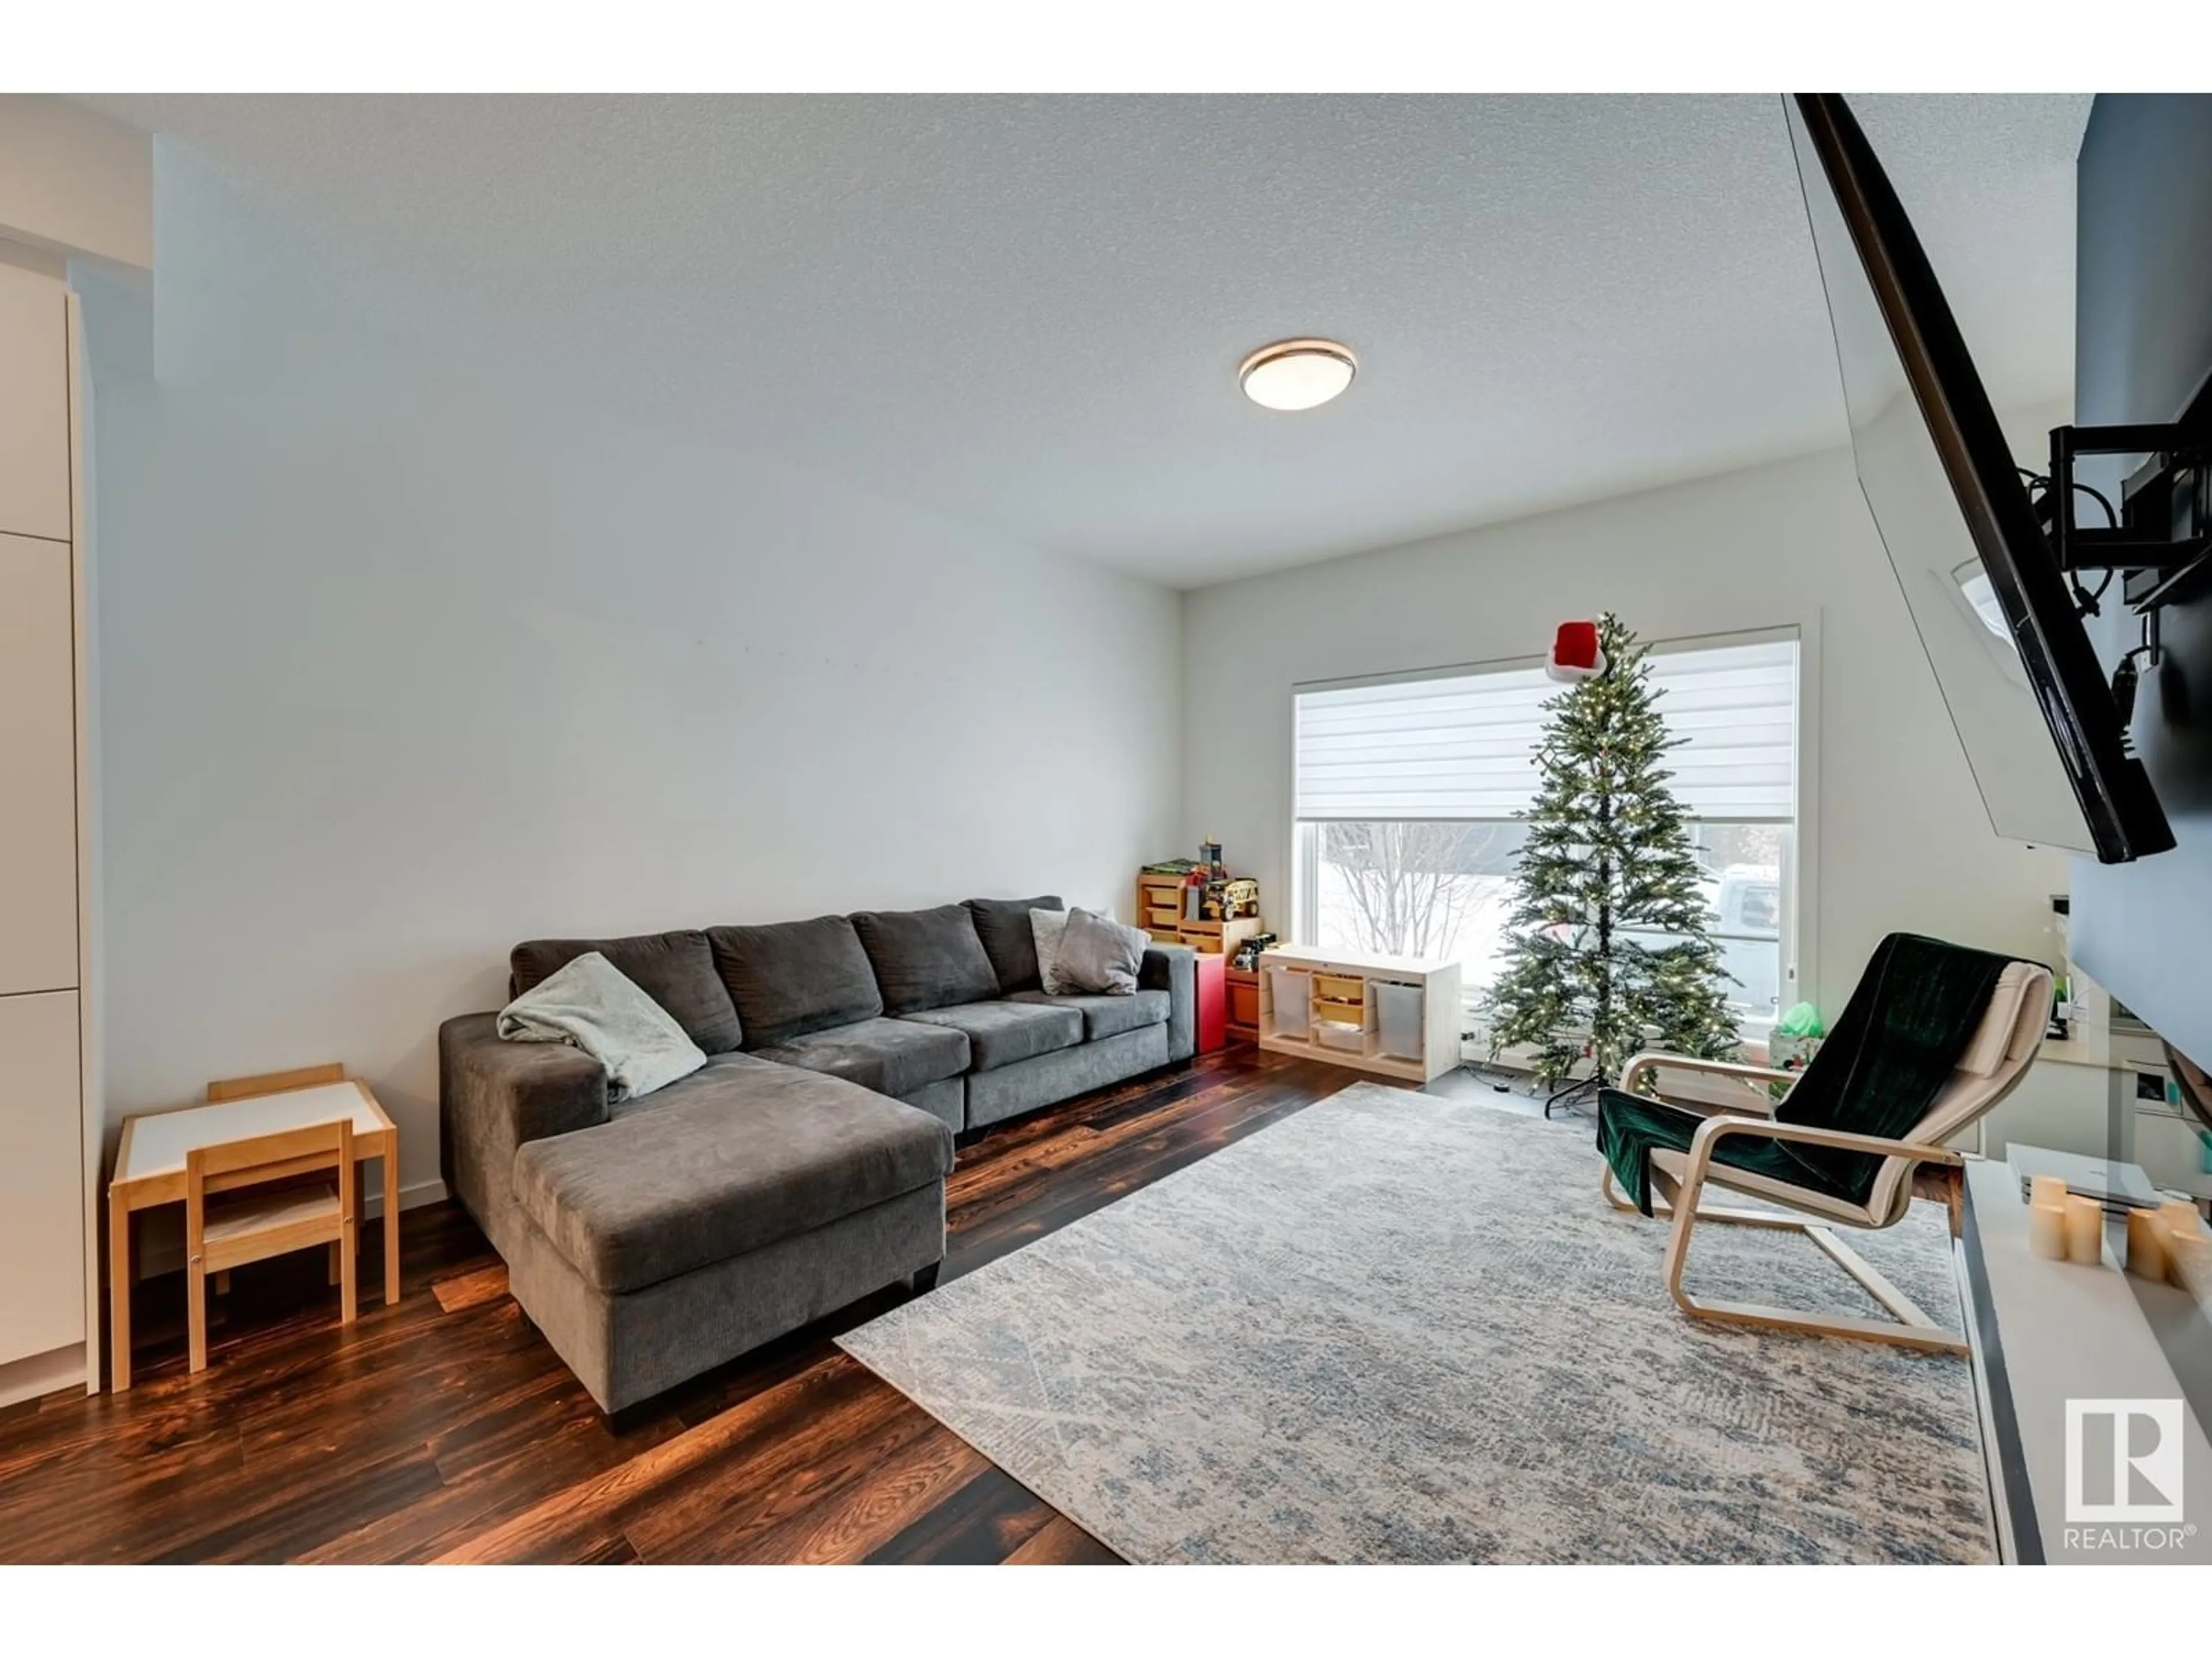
2162, 536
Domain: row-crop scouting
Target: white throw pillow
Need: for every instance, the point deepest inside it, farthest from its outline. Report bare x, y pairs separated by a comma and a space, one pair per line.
1045, 927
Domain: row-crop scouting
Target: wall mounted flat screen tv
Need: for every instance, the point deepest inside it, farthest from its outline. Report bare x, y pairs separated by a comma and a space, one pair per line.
2025, 690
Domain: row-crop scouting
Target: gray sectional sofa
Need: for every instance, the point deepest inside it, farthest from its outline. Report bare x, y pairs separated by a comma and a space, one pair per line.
804, 1165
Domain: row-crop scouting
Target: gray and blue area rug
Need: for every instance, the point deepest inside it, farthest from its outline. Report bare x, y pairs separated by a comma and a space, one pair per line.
1400, 1328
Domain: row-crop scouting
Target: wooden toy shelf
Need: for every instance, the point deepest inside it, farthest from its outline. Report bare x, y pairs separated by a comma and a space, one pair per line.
1159, 913
1397, 1017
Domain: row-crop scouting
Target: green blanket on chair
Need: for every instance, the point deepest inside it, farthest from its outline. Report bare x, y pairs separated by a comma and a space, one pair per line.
1900, 1038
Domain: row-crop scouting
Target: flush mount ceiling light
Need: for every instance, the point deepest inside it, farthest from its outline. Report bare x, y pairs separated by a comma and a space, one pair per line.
1294, 375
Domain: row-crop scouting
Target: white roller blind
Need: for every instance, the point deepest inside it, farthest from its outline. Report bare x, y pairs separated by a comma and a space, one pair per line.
1735, 708
1464, 745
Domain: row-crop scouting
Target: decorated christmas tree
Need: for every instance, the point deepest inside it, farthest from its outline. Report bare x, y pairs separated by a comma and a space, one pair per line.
1607, 951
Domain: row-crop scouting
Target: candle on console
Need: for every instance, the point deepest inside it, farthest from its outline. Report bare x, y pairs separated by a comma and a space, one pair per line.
2085, 1231
2146, 1237
2188, 1252
2047, 1189
2047, 1232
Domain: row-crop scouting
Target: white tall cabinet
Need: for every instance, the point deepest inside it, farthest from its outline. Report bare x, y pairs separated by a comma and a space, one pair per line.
49, 1124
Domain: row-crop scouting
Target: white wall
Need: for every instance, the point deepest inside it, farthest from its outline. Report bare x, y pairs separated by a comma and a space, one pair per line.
1892, 827
402, 661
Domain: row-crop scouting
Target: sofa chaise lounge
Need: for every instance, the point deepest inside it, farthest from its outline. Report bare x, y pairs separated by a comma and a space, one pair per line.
804, 1165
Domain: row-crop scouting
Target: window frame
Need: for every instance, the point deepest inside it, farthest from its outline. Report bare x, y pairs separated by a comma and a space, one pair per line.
1795, 943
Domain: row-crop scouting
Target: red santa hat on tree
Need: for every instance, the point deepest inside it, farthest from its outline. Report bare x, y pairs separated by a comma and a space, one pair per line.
1576, 654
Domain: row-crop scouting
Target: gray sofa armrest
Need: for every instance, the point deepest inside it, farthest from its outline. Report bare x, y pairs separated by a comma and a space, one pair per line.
1174, 969
495, 1096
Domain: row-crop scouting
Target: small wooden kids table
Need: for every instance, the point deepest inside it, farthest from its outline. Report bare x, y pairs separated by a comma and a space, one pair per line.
150, 1166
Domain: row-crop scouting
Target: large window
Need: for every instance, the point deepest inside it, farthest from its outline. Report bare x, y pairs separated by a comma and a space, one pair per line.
1407, 792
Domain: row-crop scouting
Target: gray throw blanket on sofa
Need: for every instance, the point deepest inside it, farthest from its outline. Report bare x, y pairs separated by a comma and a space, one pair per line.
593, 1005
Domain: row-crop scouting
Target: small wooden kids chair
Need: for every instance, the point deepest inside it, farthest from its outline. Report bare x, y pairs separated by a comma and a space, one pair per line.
223, 1231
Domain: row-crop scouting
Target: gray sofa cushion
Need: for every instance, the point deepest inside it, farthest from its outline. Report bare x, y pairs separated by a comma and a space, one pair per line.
1097, 953
994, 1096
927, 958
1000, 1033
893, 1056
788, 978
729, 1066
946, 1098
1003, 925
735, 1158
1105, 1016
677, 970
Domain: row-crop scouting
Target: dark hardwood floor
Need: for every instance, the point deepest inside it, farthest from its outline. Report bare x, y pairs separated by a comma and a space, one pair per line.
444, 1428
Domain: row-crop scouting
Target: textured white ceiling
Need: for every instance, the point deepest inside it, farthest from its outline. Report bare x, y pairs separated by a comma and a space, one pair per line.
1028, 311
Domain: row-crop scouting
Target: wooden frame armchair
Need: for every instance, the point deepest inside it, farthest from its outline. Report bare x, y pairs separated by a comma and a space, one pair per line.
1918, 1163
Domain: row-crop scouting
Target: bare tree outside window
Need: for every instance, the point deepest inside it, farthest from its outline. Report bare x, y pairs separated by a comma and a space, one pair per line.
1410, 888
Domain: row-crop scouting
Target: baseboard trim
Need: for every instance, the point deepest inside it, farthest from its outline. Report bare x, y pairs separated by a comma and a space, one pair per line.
42, 1373
411, 1197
